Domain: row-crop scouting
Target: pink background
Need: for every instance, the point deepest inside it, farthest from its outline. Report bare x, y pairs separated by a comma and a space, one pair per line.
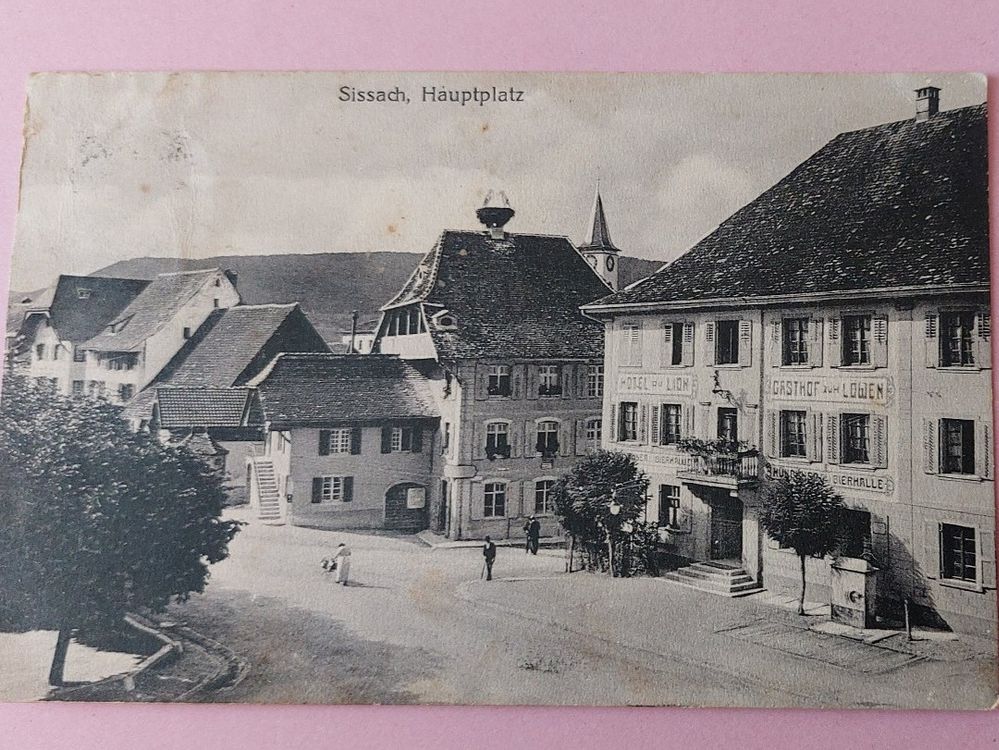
704, 35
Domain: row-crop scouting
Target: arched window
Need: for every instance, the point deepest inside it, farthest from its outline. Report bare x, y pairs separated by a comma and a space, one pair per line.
547, 444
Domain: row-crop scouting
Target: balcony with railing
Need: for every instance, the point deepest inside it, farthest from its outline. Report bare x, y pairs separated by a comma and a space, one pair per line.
720, 463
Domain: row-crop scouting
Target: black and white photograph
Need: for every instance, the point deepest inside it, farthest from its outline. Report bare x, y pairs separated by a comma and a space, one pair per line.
500, 389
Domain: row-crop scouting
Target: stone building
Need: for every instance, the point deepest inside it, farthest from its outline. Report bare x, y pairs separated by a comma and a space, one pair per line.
202, 388
839, 325
493, 319
132, 349
47, 345
349, 442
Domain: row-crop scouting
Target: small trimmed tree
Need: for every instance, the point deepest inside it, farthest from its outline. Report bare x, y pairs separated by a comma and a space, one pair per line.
98, 520
585, 496
803, 512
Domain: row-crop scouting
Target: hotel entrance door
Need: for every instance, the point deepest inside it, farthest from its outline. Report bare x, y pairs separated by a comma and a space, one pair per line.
726, 528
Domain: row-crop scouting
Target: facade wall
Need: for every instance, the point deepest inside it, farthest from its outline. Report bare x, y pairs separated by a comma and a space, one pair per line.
468, 467
56, 360
297, 462
165, 343
640, 369
905, 500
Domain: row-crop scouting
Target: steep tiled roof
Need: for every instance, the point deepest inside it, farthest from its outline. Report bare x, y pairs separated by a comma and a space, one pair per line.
201, 407
898, 205
151, 310
225, 345
513, 297
315, 389
80, 306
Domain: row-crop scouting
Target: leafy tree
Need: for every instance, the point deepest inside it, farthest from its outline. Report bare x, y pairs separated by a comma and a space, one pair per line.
803, 512
586, 495
98, 520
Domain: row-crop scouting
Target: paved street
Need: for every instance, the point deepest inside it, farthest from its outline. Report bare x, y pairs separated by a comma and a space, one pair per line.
418, 625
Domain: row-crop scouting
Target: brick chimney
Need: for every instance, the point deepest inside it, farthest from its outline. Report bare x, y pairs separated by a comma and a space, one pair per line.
927, 102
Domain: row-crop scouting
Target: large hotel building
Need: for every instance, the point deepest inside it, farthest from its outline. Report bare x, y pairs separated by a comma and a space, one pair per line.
837, 325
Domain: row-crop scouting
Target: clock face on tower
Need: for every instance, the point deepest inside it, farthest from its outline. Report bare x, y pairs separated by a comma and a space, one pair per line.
610, 262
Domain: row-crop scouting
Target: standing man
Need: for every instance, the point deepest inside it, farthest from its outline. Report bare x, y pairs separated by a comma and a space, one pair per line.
533, 531
489, 552
342, 560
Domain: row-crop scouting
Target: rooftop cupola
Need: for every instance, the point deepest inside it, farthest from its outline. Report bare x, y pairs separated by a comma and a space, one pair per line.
598, 248
927, 102
495, 213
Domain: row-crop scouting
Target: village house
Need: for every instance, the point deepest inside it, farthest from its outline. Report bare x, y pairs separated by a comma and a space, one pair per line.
47, 344
350, 442
837, 325
493, 318
200, 388
139, 341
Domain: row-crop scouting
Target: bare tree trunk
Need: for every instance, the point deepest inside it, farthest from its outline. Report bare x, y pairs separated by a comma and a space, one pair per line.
59, 657
801, 601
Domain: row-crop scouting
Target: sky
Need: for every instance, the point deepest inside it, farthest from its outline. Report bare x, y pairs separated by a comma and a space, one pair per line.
119, 165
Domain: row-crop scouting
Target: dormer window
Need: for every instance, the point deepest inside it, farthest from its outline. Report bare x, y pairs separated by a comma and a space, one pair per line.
187, 332
83, 293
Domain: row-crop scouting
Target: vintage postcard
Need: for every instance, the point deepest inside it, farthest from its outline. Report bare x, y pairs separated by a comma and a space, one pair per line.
489, 388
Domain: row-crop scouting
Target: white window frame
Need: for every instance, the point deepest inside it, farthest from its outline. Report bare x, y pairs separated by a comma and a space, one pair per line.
594, 430
339, 440
332, 490
550, 379
489, 497
548, 507
595, 381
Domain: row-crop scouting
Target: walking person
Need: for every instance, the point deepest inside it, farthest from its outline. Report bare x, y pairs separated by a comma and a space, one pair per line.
489, 553
342, 560
532, 530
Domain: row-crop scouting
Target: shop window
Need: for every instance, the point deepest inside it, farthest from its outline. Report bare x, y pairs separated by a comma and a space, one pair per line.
669, 505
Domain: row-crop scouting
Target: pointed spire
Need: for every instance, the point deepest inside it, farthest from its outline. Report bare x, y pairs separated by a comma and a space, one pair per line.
599, 236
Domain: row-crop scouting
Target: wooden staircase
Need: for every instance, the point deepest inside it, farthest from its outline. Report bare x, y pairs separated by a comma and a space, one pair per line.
269, 502
719, 578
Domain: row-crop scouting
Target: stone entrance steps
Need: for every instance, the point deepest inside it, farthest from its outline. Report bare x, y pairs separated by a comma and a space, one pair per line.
715, 578
267, 492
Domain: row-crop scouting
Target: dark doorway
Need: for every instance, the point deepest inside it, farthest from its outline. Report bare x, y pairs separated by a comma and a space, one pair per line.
726, 528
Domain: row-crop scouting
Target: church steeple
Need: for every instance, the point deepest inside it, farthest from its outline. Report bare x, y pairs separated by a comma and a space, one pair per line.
598, 249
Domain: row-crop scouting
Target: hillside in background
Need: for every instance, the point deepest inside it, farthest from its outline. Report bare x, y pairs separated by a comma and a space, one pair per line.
327, 285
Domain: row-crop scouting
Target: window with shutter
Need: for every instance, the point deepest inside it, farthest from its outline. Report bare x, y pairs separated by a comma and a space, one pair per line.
324, 442
355, 441
612, 425
632, 343
654, 430
643, 424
